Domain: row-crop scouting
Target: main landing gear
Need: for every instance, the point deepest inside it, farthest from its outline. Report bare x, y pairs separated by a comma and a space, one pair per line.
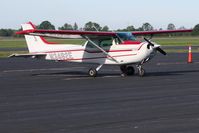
126, 70
141, 71
129, 70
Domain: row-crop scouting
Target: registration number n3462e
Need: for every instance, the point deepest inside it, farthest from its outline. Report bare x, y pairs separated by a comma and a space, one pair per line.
61, 55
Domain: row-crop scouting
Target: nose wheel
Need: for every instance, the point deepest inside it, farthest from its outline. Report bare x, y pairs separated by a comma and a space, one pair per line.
92, 72
141, 71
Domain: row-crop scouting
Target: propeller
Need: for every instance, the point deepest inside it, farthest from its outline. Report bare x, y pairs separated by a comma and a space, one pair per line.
158, 48
161, 51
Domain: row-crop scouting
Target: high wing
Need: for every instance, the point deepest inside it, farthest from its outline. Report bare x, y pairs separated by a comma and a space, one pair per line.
159, 32
67, 33
90, 34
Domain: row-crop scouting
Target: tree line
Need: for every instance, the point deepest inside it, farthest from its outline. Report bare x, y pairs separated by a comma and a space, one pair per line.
93, 26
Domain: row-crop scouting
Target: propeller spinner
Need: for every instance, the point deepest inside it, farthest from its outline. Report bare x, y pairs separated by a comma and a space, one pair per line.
152, 45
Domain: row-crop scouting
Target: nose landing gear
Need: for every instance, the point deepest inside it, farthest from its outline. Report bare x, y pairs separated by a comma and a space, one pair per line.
93, 72
141, 71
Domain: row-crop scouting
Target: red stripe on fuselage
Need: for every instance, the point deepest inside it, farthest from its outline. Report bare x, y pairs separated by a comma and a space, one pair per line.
140, 47
130, 43
92, 58
88, 51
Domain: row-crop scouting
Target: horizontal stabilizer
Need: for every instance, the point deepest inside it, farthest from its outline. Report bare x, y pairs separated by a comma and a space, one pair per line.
38, 56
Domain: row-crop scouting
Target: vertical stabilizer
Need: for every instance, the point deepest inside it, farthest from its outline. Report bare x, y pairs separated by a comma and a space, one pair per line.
34, 43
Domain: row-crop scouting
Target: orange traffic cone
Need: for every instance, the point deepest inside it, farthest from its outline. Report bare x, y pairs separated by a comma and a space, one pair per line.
190, 55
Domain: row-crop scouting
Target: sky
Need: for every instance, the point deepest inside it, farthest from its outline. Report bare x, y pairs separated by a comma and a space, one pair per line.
114, 13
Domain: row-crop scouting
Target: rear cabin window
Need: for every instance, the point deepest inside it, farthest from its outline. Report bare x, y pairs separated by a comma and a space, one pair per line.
101, 42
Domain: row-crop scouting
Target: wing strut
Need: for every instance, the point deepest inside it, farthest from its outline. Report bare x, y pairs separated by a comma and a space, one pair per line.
101, 49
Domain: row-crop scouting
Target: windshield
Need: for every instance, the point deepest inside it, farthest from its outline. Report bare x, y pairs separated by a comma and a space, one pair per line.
126, 36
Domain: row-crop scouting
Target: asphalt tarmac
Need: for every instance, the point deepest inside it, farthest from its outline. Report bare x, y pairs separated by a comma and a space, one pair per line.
39, 96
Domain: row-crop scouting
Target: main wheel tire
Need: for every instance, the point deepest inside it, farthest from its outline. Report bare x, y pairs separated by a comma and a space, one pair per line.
92, 72
130, 70
141, 72
127, 70
123, 68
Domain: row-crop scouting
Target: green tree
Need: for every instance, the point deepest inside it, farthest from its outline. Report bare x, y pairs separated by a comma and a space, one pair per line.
17, 35
196, 30
105, 28
130, 28
3, 32
75, 26
147, 27
7, 32
171, 27
66, 26
139, 29
92, 26
46, 25
182, 28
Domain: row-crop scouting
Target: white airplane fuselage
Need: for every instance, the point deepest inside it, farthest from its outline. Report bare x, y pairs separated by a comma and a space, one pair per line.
124, 54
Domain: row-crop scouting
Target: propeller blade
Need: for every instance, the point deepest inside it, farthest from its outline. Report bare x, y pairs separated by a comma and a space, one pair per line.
161, 51
149, 43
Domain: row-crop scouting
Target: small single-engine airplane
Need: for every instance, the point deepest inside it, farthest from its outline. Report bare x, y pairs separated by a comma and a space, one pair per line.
116, 48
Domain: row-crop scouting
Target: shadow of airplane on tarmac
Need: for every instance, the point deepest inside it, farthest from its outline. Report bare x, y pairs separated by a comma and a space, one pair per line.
101, 74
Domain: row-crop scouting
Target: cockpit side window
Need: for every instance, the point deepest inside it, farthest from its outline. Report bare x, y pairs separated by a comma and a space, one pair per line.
90, 45
102, 42
106, 43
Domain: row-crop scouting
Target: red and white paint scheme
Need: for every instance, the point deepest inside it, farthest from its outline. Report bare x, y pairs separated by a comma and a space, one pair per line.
116, 48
